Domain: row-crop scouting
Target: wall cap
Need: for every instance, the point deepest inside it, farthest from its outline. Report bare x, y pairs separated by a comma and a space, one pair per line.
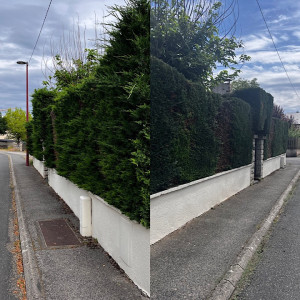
183, 186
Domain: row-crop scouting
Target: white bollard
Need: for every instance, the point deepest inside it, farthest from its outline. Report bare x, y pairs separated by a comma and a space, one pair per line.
282, 162
85, 216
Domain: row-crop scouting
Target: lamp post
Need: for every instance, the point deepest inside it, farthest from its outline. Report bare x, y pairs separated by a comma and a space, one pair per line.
26, 63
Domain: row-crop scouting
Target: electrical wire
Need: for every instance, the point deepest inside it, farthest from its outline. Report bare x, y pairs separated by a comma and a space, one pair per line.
277, 50
40, 32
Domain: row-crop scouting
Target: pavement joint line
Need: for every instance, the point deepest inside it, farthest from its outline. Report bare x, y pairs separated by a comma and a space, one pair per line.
221, 293
238, 264
32, 280
227, 280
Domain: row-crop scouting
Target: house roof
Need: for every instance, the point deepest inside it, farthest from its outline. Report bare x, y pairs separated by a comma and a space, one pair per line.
296, 117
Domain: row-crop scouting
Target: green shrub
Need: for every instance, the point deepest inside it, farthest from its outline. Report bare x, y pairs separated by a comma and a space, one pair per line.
100, 123
42, 135
276, 142
235, 134
183, 145
262, 107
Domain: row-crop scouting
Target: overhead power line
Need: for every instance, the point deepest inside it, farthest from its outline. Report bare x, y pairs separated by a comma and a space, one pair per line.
287, 75
37, 40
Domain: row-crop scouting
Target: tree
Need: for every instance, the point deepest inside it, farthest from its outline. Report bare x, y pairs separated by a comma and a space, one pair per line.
241, 83
16, 121
191, 41
3, 126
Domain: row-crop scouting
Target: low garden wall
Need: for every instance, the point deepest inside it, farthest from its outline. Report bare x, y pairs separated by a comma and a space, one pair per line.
125, 240
272, 164
39, 166
190, 200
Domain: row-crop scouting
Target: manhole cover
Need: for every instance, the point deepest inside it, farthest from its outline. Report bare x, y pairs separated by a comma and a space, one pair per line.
58, 233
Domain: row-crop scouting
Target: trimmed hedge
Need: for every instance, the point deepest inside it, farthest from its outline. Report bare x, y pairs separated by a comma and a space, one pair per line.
42, 131
99, 126
276, 142
235, 134
262, 108
183, 143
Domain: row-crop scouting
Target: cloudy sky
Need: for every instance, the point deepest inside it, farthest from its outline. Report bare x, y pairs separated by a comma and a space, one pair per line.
283, 19
20, 23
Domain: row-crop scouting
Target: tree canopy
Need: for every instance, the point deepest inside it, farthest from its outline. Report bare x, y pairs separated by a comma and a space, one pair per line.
191, 41
241, 83
3, 126
16, 124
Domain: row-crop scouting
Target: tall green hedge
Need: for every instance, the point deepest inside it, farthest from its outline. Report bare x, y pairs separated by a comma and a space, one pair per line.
100, 124
183, 144
277, 139
194, 133
261, 103
234, 131
42, 130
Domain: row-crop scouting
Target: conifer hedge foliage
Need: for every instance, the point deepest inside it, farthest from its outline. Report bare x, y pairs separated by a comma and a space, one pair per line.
234, 131
277, 139
261, 103
194, 133
95, 131
183, 144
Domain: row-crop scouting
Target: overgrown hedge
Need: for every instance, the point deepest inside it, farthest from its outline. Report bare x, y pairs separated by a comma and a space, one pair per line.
96, 132
194, 133
261, 103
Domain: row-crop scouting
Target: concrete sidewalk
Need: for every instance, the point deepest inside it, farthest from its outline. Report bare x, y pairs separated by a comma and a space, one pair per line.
190, 263
81, 271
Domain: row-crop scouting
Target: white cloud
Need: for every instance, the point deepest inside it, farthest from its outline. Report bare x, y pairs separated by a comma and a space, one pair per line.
280, 19
256, 42
297, 34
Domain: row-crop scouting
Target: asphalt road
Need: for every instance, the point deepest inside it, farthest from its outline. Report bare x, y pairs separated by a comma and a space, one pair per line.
6, 239
277, 273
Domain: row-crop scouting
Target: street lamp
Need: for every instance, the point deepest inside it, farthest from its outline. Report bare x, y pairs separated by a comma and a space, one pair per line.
26, 63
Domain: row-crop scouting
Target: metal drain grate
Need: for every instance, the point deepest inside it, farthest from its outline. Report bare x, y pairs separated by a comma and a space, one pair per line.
58, 233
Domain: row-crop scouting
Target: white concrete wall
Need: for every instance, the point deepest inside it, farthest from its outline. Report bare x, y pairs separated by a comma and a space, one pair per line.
67, 190
126, 241
173, 208
272, 164
40, 167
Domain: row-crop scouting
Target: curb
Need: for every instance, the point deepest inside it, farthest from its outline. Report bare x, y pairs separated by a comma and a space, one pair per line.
227, 285
31, 271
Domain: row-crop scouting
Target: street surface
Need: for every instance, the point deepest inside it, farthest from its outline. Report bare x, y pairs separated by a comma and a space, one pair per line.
6, 239
277, 273
190, 262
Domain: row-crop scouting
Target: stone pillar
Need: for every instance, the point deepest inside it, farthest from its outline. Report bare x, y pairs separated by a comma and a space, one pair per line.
259, 157
252, 163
